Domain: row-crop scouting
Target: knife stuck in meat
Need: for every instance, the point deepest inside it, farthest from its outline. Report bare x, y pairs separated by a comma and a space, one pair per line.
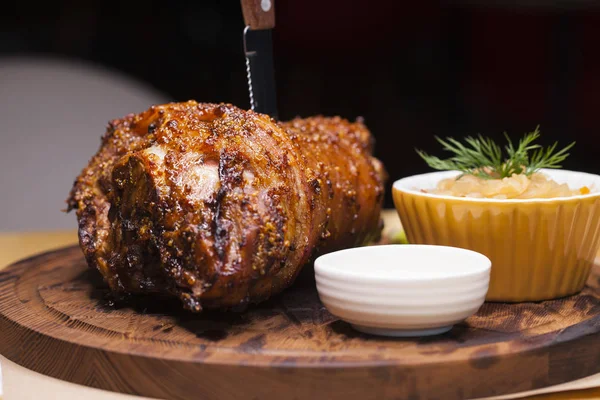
259, 16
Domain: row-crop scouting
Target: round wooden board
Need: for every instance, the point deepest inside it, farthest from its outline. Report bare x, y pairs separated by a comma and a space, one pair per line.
55, 319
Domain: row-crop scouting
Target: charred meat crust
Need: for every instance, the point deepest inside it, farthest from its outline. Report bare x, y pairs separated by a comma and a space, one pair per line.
221, 206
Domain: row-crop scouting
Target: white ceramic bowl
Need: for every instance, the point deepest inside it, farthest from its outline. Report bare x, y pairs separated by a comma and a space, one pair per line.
403, 290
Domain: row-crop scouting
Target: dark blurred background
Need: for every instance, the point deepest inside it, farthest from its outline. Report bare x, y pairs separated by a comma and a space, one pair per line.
411, 69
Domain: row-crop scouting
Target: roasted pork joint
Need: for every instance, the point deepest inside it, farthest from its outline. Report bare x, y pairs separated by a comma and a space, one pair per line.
221, 206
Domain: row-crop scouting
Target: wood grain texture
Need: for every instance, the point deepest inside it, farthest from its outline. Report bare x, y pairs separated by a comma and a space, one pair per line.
57, 318
255, 17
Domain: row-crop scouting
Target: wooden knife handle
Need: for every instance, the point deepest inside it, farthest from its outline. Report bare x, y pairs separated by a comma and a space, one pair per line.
259, 14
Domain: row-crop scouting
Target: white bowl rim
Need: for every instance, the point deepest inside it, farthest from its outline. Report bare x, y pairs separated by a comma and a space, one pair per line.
398, 185
323, 264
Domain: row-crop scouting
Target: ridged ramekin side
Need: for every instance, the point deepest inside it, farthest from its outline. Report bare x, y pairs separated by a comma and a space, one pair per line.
539, 250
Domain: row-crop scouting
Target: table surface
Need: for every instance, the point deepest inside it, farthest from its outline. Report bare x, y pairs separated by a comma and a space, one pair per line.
23, 384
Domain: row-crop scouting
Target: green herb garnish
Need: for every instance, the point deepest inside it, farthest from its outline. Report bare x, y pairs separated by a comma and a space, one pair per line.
482, 157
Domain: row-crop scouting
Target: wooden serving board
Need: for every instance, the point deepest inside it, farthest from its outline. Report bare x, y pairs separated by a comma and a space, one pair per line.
56, 318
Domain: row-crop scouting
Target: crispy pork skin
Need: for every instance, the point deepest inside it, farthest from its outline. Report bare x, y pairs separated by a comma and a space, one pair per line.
220, 206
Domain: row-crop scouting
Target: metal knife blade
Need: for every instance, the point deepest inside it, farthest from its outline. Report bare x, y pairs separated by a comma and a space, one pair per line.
259, 16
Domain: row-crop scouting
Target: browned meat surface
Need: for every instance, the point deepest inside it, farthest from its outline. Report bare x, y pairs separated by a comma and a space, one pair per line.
221, 206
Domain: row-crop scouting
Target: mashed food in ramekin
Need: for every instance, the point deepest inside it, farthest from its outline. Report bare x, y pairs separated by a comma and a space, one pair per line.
536, 186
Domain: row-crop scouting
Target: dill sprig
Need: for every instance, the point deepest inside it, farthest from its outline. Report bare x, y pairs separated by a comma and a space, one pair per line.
482, 157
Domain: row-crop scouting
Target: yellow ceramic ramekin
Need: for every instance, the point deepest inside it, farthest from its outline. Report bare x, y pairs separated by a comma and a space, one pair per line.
540, 248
